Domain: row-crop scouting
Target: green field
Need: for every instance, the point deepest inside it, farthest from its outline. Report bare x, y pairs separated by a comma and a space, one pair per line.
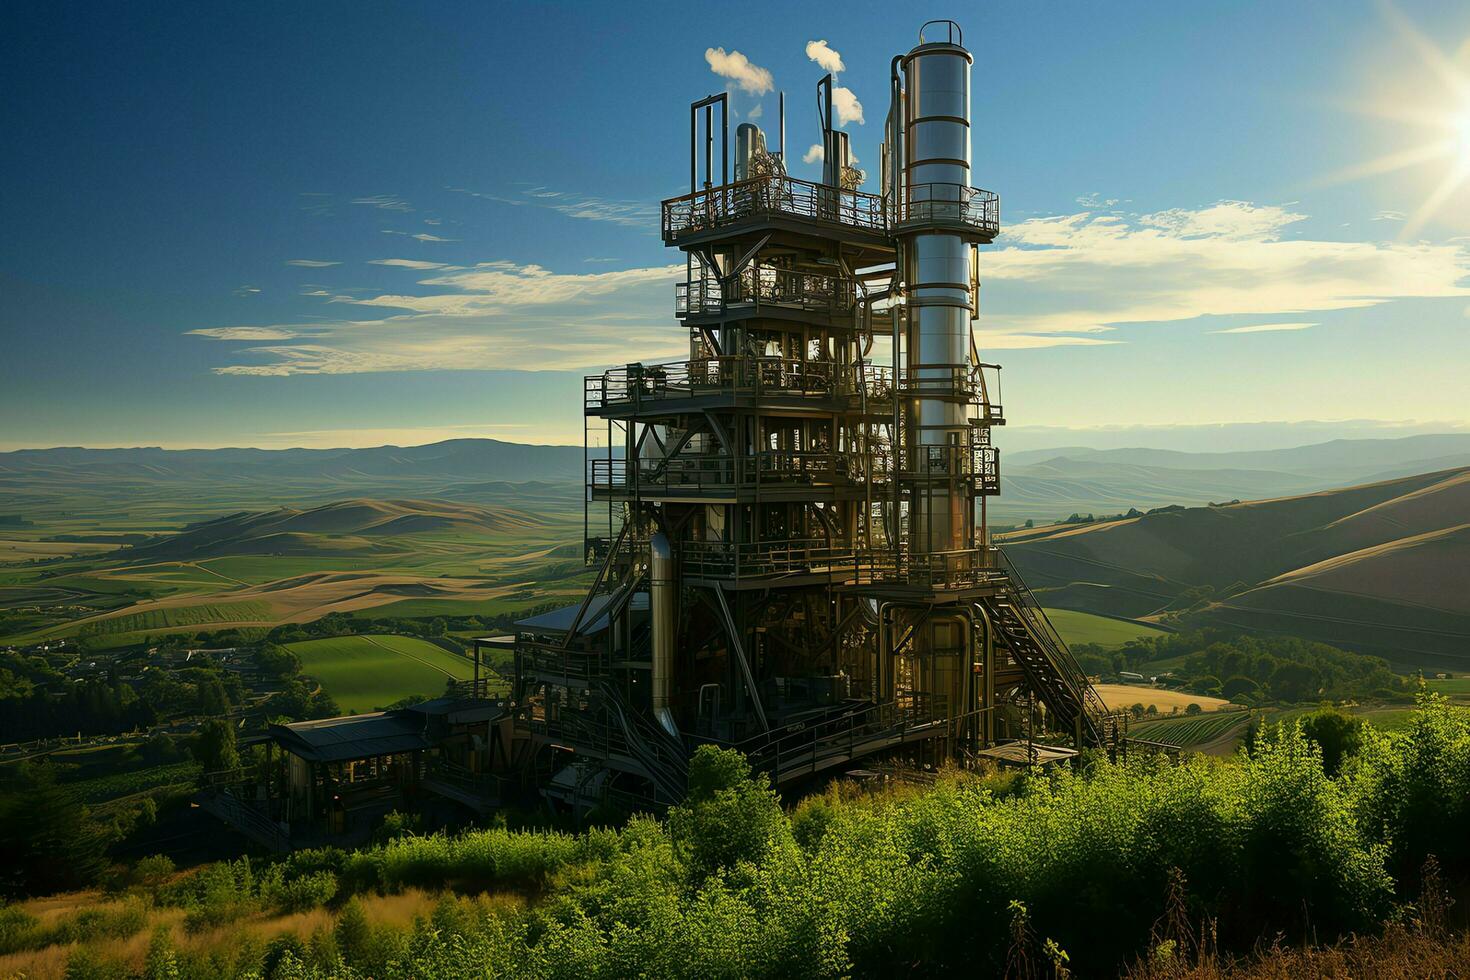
1454, 687
1189, 732
1081, 627
367, 672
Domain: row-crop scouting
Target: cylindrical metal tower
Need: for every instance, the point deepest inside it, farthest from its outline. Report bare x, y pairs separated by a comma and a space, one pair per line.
937, 277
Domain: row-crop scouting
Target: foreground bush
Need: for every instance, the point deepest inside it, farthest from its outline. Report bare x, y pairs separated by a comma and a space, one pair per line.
1076, 867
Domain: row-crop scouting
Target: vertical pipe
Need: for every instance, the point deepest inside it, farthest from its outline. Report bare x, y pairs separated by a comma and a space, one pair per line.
661, 588
709, 143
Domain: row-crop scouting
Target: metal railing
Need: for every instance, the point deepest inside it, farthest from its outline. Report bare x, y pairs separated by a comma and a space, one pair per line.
750, 559
712, 207
965, 384
712, 472
757, 288
735, 375
964, 568
809, 747
949, 204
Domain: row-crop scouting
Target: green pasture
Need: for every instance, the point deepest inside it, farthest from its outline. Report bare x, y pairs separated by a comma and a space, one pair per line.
367, 672
1081, 627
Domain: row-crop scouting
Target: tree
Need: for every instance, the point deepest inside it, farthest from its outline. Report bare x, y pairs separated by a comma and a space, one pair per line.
729, 815
1338, 733
1192, 708
49, 842
214, 745
1240, 686
276, 661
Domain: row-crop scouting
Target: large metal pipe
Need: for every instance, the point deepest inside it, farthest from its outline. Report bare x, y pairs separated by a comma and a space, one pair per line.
663, 609
937, 272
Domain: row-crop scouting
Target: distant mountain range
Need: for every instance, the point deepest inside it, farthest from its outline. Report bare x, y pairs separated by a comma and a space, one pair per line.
486, 459
1382, 566
1038, 485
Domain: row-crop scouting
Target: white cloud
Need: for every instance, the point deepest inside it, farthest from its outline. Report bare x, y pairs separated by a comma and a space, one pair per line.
494, 316
631, 214
757, 112
1390, 216
1086, 273
814, 154
829, 60
245, 333
407, 263
432, 238
247, 290
1094, 201
847, 106
385, 202
311, 263
1268, 327
752, 79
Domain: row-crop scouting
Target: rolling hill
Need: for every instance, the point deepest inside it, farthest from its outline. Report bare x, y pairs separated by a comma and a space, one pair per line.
347, 527
1381, 566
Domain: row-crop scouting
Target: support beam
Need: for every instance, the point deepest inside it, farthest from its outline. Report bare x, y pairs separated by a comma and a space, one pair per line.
737, 648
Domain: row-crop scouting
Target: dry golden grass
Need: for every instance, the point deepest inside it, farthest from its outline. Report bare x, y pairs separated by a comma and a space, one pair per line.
1122, 696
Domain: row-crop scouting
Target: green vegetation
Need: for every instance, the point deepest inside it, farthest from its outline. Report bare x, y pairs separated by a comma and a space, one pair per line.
1080, 627
962, 877
366, 672
1251, 669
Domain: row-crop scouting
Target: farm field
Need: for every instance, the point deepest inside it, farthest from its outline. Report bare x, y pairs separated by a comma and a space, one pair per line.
1082, 627
1452, 687
1121, 696
367, 672
1192, 731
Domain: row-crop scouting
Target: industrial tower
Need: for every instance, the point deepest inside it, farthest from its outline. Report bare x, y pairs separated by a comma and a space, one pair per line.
789, 526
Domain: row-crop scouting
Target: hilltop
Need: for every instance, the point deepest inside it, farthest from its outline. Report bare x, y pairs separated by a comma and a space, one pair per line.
1378, 566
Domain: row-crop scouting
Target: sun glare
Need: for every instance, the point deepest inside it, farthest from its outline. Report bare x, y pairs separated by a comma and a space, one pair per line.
1442, 120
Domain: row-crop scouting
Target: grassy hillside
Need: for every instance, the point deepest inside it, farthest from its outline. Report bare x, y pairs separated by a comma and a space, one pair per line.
1376, 567
286, 564
366, 672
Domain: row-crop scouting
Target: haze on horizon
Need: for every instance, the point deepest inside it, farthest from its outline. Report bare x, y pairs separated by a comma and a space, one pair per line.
1243, 227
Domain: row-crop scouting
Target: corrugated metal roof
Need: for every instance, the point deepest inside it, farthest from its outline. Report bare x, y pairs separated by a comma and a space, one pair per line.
352, 737
560, 620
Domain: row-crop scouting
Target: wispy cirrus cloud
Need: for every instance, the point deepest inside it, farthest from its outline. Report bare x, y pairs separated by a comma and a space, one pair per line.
1085, 274
1268, 327
492, 316
630, 214
418, 264
245, 333
738, 69
384, 202
419, 236
311, 263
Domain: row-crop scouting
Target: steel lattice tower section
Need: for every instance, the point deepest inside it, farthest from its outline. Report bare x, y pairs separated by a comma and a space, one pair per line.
790, 537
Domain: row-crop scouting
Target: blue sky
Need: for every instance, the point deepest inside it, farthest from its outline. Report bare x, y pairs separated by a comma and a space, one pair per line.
351, 224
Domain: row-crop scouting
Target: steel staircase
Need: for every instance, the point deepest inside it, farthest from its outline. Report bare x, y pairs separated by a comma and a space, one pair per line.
1042, 655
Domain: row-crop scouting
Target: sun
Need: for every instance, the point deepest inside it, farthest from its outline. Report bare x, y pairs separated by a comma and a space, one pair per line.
1440, 120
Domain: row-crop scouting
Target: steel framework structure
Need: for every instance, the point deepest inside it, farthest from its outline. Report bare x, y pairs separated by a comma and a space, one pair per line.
789, 526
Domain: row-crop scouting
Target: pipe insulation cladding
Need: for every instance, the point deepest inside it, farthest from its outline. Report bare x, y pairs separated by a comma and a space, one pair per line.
937, 273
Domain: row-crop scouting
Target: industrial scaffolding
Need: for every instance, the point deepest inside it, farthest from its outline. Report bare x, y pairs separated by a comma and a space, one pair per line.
789, 526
